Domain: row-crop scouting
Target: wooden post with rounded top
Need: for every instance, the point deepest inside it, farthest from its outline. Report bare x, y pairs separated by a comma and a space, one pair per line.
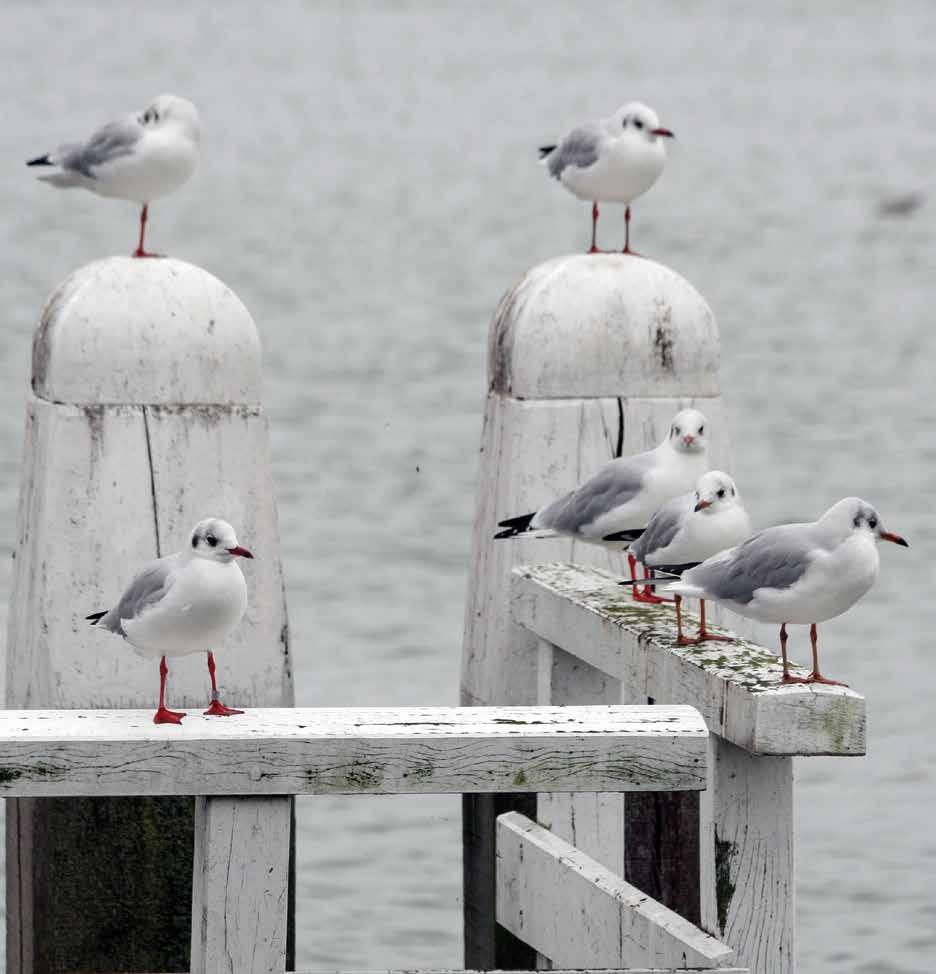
143, 416
589, 357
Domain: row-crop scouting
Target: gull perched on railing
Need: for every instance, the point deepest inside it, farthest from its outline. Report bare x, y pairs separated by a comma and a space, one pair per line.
614, 506
690, 528
184, 603
138, 158
613, 160
800, 574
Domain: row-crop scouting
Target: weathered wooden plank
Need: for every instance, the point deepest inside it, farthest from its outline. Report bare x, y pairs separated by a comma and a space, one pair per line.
748, 891
239, 885
580, 914
735, 685
350, 751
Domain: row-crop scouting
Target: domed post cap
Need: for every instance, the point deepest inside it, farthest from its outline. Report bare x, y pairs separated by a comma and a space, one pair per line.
145, 331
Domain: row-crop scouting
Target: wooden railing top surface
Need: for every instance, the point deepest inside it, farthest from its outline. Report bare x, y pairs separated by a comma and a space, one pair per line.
353, 751
735, 685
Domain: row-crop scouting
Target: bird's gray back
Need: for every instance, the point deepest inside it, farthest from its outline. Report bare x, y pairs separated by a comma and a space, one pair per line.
614, 485
777, 557
579, 148
146, 589
109, 142
662, 528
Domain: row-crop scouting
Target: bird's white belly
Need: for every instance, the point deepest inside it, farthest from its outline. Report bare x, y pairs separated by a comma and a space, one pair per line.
180, 625
620, 175
156, 171
834, 582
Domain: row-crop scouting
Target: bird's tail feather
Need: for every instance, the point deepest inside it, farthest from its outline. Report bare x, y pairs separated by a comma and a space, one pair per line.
45, 160
514, 525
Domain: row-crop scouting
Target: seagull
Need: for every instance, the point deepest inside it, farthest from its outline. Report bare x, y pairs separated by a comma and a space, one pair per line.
800, 574
614, 506
613, 160
138, 158
690, 528
182, 604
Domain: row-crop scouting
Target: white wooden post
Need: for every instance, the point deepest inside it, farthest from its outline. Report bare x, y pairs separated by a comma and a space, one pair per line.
239, 885
589, 357
143, 416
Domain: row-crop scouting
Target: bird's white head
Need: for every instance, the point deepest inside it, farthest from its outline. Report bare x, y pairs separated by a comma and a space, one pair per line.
715, 491
215, 539
639, 121
852, 515
687, 432
171, 110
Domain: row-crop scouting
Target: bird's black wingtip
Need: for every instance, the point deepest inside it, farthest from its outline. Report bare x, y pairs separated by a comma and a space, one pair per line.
40, 161
96, 617
544, 150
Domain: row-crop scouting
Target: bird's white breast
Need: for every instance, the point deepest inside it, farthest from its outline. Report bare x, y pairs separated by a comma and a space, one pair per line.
626, 168
161, 162
205, 603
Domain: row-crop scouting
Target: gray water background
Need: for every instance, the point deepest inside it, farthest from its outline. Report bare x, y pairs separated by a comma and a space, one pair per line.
368, 187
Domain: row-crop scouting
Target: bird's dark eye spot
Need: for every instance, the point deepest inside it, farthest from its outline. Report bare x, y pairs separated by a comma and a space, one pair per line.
211, 539
701, 429
872, 523
721, 493
857, 521
637, 123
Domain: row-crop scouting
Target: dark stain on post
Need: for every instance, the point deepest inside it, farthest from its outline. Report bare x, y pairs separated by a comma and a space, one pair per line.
42, 336
725, 851
663, 336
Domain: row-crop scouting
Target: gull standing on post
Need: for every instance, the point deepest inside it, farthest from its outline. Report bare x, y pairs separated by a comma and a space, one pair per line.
799, 574
614, 160
184, 603
138, 158
688, 529
614, 506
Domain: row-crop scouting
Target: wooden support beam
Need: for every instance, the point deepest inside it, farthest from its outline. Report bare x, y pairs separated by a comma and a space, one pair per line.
239, 885
579, 914
440, 750
488, 945
735, 685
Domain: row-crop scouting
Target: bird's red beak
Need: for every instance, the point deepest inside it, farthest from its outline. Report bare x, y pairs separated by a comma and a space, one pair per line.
240, 552
702, 505
896, 538
666, 133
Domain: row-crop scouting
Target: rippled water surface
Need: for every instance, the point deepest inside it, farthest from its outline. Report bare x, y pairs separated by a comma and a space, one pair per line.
368, 187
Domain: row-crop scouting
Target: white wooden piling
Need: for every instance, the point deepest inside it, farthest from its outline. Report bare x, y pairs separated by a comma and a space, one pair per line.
144, 415
589, 357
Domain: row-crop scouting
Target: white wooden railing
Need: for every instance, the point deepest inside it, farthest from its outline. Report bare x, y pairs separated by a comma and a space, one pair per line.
723, 857
243, 772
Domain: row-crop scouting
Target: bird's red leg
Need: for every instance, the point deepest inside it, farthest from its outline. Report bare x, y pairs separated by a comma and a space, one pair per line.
164, 715
704, 634
787, 677
140, 252
216, 708
632, 562
594, 246
816, 676
627, 249
681, 639
647, 594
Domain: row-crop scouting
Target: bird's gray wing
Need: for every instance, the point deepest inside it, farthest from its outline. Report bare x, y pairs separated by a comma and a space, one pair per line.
109, 142
663, 527
148, 587
777, 557
579, 148
612, 486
